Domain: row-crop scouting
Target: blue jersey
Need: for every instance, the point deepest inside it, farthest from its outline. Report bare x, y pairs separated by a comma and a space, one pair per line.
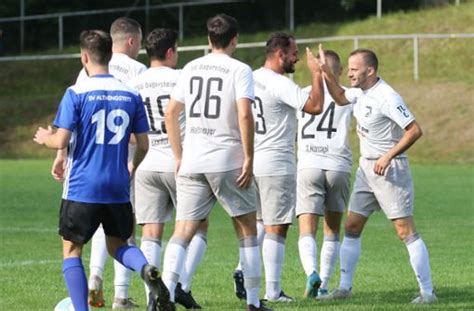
101, 113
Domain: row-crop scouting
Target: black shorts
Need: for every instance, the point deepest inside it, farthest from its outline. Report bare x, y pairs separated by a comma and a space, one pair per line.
78, 221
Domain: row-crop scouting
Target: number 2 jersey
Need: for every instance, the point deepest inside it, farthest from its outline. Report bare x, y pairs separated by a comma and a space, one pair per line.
101, 112
155, 86
209, 87
323, 140
277, 100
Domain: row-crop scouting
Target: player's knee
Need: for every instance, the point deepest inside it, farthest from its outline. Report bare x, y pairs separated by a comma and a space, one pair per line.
353, 228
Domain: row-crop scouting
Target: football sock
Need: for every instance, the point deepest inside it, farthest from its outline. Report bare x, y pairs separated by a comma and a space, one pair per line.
151, 248
131, 257
308, 253
329, 254
260, 232
420, 262
349, 256
121, 280
249, 253
273, 257
98, 254
194, 254
76, 282
173, 262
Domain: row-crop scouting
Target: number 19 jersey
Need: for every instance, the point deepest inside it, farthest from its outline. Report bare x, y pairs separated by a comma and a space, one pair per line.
155, 86
209, 87
323, 140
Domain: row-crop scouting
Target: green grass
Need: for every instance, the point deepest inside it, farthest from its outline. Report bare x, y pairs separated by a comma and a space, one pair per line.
30, 256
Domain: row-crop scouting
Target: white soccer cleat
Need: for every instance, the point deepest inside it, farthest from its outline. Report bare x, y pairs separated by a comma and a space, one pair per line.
282, 298
425, 298
322, 293
338, 293
124, 303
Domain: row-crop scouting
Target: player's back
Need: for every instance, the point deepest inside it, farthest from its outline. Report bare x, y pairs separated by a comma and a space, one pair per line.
209, 87
155, 86
101, 112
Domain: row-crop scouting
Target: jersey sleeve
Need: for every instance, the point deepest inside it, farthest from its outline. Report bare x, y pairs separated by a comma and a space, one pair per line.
140, 121
244, 83
178, 92
352, 94
396, 109
67, 115
292, 95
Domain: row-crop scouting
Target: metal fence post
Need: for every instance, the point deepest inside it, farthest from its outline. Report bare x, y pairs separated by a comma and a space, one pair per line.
356, 43
379, 9
415, 58
60, 32
22, 25
181, 31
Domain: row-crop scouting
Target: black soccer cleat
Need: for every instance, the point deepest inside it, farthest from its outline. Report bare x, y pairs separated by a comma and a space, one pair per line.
261, 308
239, 288
185, 299
160, 293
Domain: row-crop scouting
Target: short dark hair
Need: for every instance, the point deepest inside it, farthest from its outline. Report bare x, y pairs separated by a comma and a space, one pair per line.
336, 66
124, 26
158, 41
98, 44
278, 40
221, 29
370, 59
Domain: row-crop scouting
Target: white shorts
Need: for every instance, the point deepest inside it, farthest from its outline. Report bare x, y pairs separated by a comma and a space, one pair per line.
277, 198
393, 193
155, 196
321, 190
197, 194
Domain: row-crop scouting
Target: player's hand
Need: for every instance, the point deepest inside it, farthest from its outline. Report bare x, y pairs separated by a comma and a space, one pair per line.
245, 178
58, 168
42, 135
380, 167
322, 60
311, 61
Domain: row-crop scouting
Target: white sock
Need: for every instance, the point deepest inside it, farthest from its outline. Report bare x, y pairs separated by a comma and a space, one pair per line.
98, 254
194, 254
349, 256
420, 262
273, 257
249, 253
173, 262
308, 251
151, 248
329, 254
260, 232
121, 280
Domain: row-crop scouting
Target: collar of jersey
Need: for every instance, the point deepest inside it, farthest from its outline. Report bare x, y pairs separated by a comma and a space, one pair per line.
102, 75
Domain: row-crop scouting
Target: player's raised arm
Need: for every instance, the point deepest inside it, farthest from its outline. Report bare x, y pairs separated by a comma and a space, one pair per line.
172, 112
246, 125
336, 91
315, 102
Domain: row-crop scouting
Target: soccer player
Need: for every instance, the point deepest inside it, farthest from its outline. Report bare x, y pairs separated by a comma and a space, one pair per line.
96, 118
277, 100
323, 181
155, 183
215, 161
126, 36
386, 129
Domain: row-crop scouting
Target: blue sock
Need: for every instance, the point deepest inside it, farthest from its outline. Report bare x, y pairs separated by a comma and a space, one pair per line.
131, 257
76, 282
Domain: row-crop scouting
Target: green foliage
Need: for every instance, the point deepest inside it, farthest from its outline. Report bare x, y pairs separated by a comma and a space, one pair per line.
30, 260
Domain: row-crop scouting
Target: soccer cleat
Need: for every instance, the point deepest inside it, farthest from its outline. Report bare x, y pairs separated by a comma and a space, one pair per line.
151, 303
312, 285
239, 288
161, 295
338, 293
185, 299
425, 298
322, 293
261, 308
282, 298
124, 303
95, 297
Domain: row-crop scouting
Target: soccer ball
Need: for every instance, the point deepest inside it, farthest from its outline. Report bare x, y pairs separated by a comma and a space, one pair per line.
66, 305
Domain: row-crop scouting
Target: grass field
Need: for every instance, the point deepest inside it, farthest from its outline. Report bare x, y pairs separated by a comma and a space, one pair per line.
30, 255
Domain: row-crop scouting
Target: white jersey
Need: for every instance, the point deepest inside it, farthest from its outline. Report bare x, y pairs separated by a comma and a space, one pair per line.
381, 117
209, 87
277, 99
121, 67
323, 140
155, 86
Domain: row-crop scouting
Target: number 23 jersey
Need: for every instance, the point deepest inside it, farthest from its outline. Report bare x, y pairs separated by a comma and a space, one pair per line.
209, 87
323, 139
